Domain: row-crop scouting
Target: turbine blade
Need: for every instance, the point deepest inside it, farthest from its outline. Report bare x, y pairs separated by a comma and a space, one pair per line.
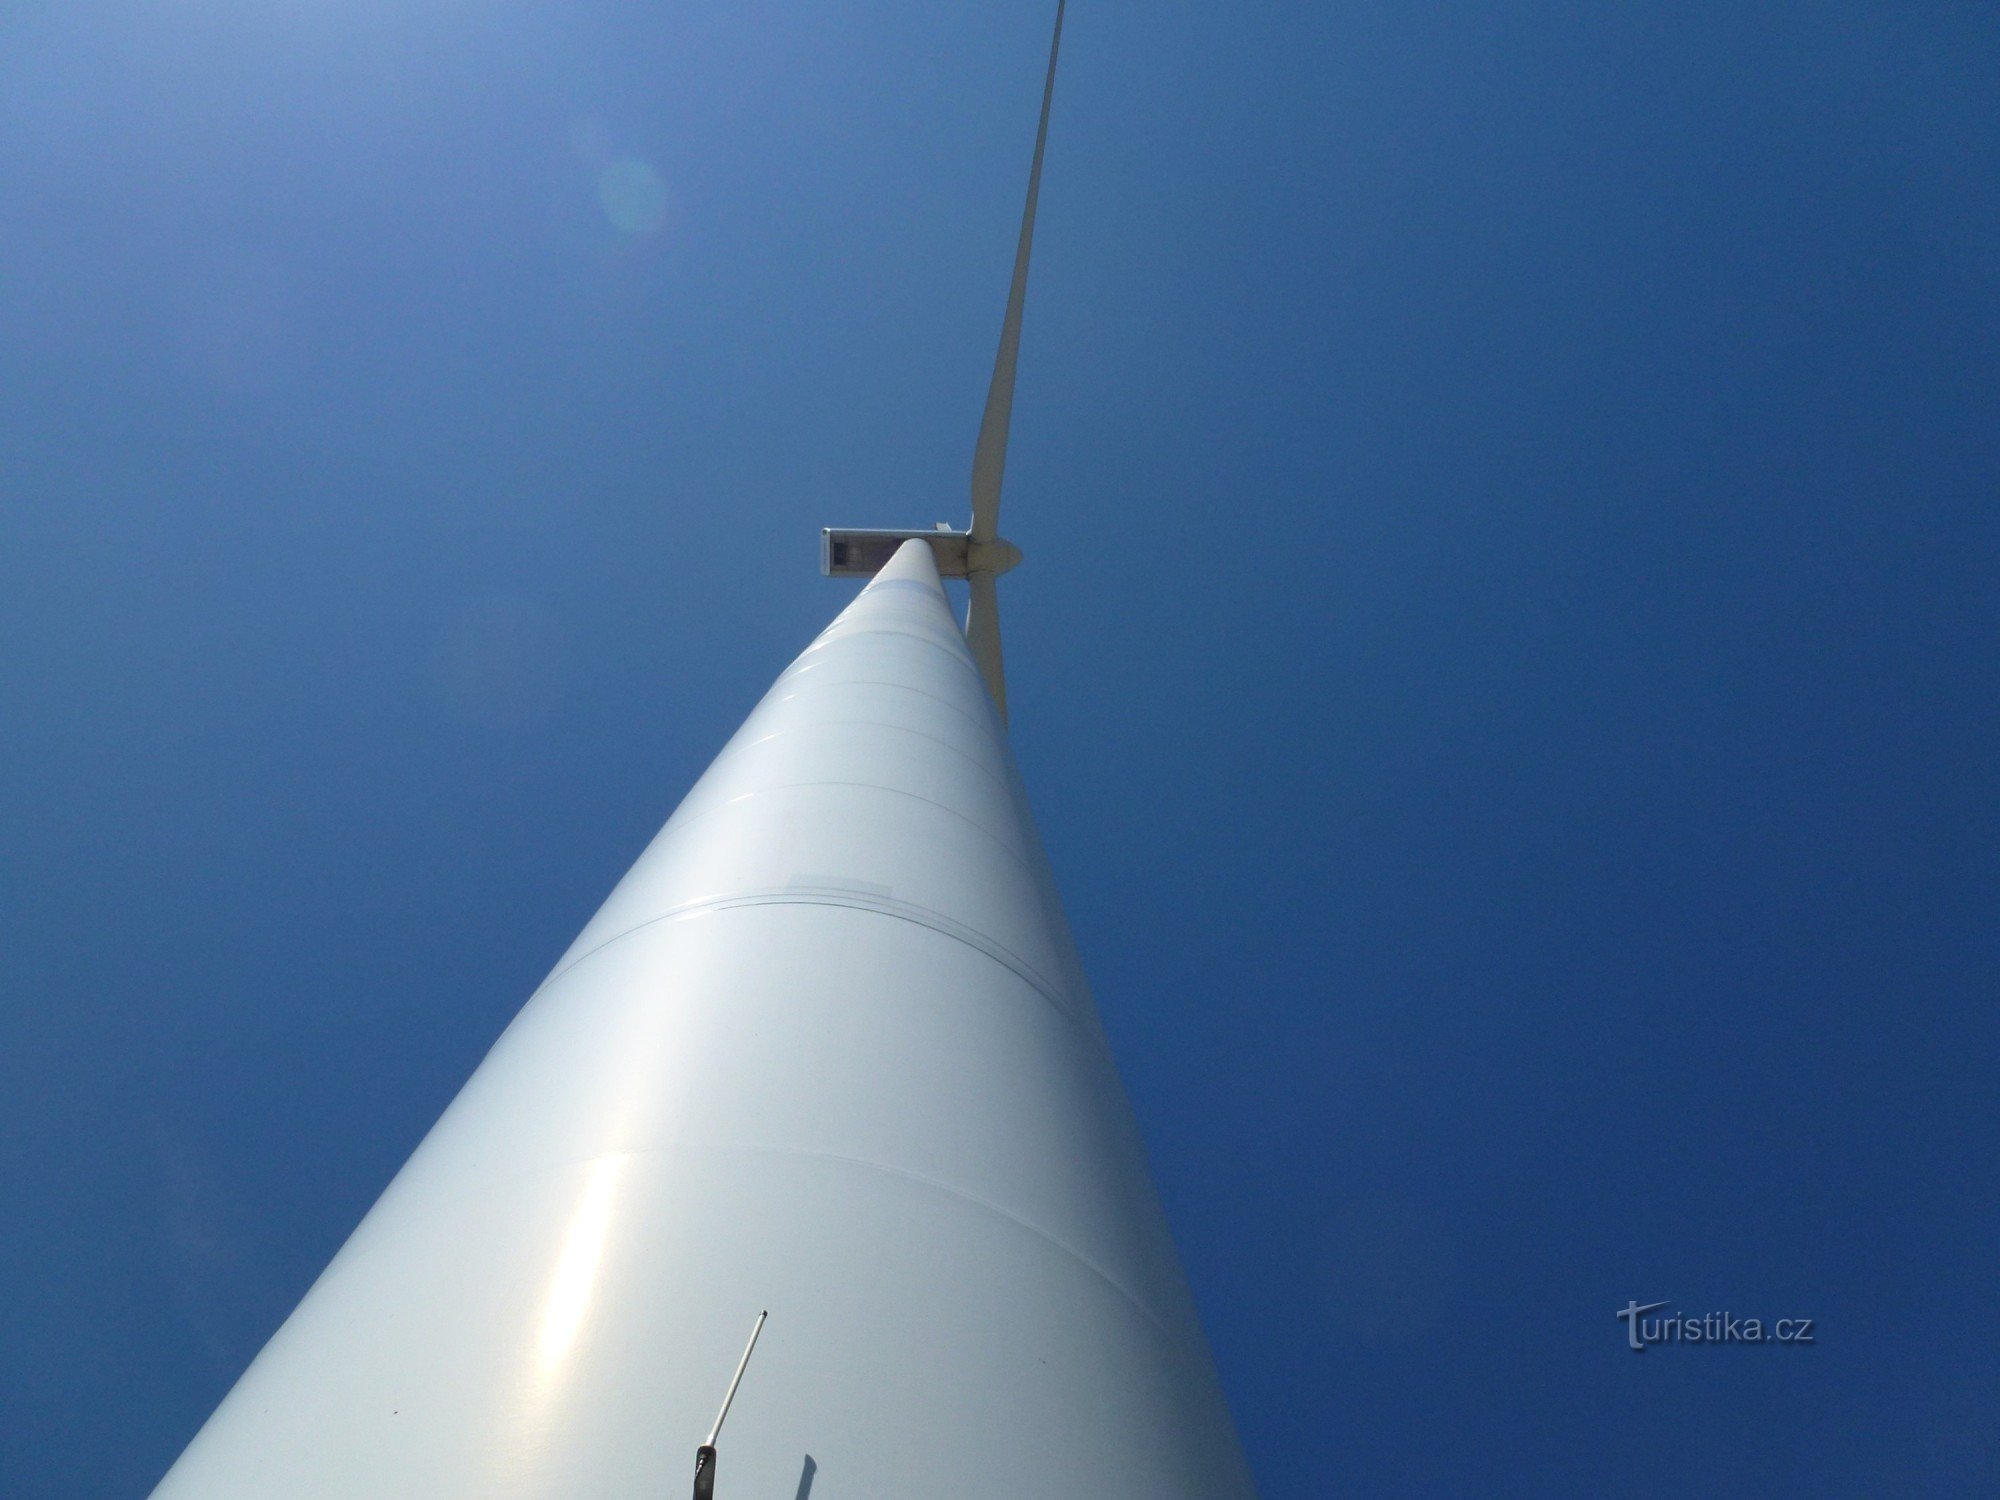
989, 457
982, 634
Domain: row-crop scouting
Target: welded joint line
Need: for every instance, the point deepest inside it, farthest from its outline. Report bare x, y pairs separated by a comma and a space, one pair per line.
977, 764
939, 630
902, 911
921, 1180
833, 635
710, 805
894, 612
998, 842
902, 687
479, 1190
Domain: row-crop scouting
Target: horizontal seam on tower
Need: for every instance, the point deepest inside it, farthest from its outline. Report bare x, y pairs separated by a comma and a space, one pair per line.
872, 786
902, 911
677, 823
973, 760
903, 687
977, 1202
684, 1147
962, 656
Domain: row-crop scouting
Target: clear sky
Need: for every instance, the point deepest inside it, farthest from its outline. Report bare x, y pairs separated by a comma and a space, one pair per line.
1507, 662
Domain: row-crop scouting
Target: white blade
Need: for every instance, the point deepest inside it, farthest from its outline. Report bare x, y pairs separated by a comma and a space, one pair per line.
982, 635
989, 458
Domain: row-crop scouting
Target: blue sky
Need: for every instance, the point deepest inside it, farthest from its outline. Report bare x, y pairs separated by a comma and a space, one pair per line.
1505, 662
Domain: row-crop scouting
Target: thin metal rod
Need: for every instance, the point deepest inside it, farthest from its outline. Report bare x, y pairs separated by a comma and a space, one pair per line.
736, 1379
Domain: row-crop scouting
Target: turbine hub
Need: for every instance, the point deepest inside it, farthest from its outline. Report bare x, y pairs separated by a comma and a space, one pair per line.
995, 557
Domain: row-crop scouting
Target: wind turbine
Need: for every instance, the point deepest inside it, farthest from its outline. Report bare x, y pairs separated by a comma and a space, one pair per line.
978, 554
826, 1057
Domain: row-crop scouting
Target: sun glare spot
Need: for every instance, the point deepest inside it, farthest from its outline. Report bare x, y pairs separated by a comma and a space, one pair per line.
575, 1276
633, 196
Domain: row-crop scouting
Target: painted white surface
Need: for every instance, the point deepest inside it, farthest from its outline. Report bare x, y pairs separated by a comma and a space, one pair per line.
825, 1050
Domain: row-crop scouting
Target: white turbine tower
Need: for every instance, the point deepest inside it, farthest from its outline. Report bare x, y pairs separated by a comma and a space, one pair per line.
825, 1051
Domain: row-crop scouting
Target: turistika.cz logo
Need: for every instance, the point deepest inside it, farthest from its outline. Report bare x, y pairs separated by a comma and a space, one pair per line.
1714, 1328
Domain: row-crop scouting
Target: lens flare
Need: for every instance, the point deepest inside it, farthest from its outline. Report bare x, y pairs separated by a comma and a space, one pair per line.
633, 196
